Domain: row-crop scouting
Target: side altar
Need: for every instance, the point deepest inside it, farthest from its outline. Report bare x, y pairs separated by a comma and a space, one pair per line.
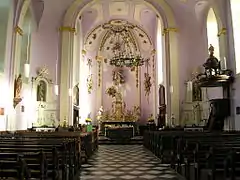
118, 123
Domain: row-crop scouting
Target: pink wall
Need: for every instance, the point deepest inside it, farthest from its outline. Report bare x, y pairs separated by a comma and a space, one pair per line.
191, 37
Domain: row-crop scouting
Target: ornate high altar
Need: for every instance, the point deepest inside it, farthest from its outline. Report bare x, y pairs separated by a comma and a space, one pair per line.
118, 113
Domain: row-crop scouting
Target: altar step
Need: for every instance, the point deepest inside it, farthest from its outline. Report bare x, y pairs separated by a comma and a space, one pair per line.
137, 140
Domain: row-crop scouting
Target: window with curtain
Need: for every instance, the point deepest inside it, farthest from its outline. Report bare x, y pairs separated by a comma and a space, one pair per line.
212, 32
235, 8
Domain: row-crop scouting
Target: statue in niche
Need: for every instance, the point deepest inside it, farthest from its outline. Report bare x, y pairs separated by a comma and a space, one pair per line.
17, 90
197, 92
18, 87
76, 95
118, 77
41, 91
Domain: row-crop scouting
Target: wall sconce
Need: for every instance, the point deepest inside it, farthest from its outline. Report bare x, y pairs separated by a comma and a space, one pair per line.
56, 90
26, 70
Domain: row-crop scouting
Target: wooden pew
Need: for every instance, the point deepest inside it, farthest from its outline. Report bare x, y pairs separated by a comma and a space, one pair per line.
25, 144
204, 152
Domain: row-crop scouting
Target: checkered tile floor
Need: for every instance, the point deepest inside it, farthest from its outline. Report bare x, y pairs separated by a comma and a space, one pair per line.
126, 162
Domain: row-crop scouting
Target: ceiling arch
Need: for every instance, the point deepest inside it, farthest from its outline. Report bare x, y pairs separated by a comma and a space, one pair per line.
161, 8
103, 36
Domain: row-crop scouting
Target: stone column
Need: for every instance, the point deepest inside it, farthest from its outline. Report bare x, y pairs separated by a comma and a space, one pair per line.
66, 104
229, 123
172, 66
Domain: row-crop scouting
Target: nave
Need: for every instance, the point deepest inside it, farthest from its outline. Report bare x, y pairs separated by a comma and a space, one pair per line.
119, 162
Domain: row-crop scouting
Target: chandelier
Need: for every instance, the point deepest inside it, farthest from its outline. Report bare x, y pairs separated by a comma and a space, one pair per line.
125, 50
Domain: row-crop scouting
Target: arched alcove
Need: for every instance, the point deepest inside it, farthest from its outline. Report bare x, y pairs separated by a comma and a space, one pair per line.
68, 38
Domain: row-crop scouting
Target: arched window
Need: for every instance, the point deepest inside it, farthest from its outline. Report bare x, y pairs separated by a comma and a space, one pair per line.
212, 32
160, 74
235, 8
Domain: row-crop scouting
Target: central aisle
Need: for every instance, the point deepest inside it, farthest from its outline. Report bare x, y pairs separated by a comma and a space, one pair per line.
131, 162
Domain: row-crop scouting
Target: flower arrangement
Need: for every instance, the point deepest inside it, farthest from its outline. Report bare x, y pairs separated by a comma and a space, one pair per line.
88, 119
151, 118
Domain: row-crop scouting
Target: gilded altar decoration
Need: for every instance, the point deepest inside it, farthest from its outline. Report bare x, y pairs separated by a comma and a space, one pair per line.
111, 91
17, 90
118, 76
118, 111
90, 83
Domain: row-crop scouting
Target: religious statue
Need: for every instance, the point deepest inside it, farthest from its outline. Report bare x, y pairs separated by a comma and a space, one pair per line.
17, 90
118, 77
118, 107
197, 92
41, 91
18, 87
76, 95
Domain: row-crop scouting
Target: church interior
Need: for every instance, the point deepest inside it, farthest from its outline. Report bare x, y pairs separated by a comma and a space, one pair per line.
120, 89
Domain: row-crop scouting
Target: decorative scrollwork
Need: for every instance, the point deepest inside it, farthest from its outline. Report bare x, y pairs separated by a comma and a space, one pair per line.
90, 83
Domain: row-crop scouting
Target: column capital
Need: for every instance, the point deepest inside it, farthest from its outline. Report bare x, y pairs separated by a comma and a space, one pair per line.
18, 30
169, 29
67, 29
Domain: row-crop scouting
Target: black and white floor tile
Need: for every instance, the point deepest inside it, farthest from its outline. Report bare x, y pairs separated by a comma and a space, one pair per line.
126, 162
